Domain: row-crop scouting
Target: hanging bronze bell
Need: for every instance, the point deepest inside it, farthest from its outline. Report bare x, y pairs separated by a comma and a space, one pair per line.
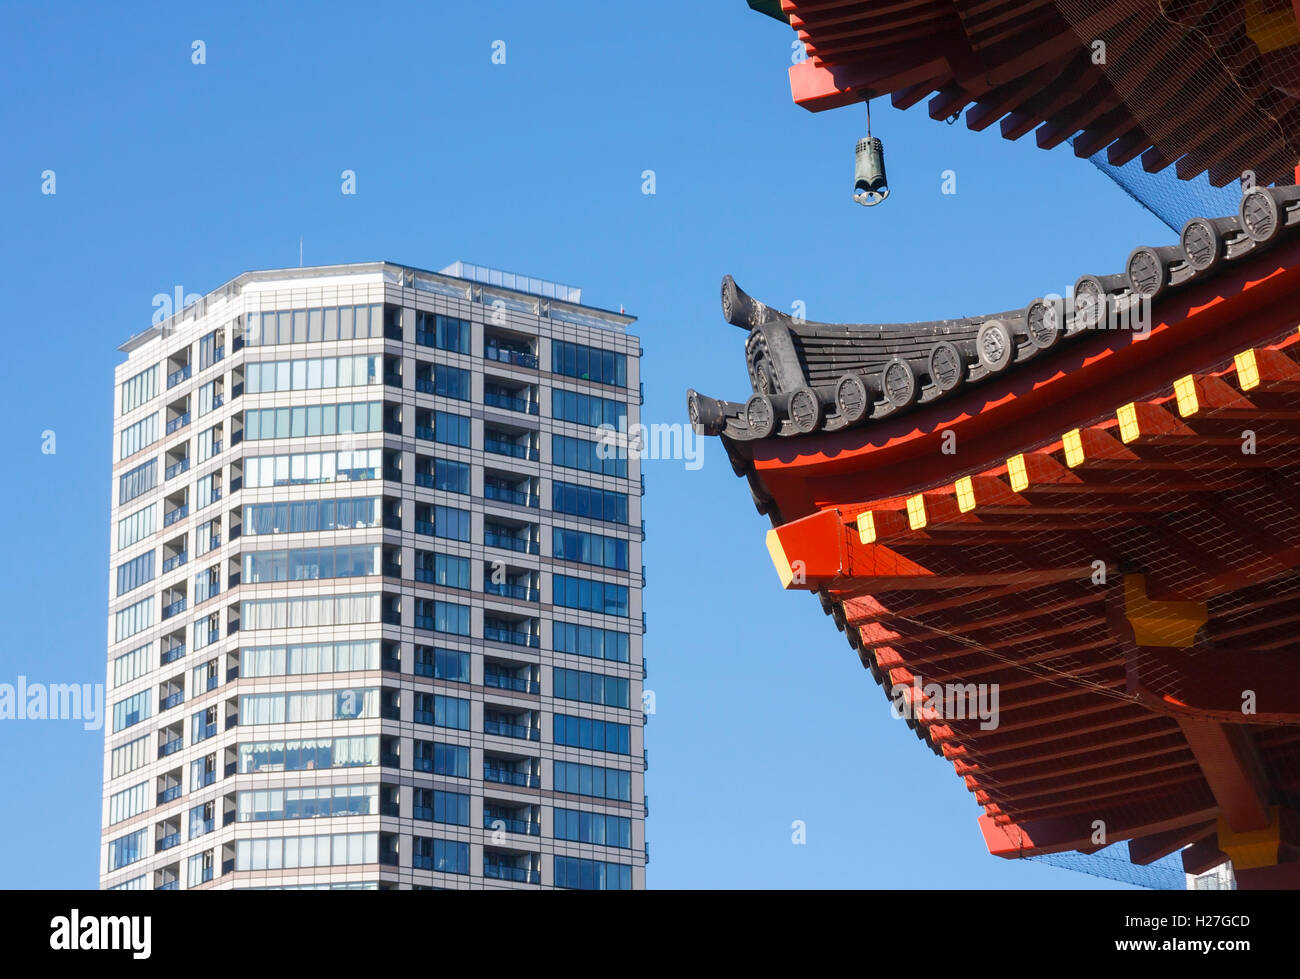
869, 184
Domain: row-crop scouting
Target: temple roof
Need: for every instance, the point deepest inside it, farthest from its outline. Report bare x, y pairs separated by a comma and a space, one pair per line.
809, 376
1202, 85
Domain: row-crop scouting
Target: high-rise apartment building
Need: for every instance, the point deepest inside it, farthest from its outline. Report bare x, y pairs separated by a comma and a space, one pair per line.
375, 593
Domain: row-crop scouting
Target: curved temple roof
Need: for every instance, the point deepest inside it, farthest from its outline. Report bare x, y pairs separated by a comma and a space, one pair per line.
808, 376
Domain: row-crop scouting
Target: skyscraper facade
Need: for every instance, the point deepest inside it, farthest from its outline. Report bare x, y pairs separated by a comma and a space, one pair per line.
375, 613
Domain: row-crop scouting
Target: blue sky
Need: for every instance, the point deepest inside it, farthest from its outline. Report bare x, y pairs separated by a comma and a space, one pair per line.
174, 174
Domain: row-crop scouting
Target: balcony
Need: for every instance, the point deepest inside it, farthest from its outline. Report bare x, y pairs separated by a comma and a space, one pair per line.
504, 494
424, 527
505, 871
424, 432
517, 684
180, 421
392, 380
524, 827
423, 479
390, 760
180, 513
424, 385
169, 795
176, 468
509, 730
509, 542
175, 561
504, 356
169, 841
207, 731
217, 401
173, 653
511, 636
509, 402
172, 701
508, 776
175, 377
171, 885
208, 779
175, 608
513, 449
170, 747
507, 590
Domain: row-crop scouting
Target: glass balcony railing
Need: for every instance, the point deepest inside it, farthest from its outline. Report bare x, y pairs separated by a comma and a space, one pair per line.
172, 654
510, 402
503, 681
171, 701
175, 377
424, 479
495, 538
513, 449
508, 776
503, 355
176, 468
508, 729
170, 747
511, 636
424, 432
175, 561
506, 494
424, 527
507, 590
504, 871
175, 608
524, 827
169, 795
180, 513
169, 841
180, 421
171, 885
424, 385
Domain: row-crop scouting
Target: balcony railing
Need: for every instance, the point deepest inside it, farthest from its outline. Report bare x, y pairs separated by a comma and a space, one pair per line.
390, 760
424, 385
176, 468
504, 494
392, 380
509, 402
511, 636
171, 885
175, 561
171, 701
169, 841
208, 778
424, 527
508, 730
205, 732
423, 479
504, 871
513, 449
173, 653
169, 794
175, 377
180, 421
524, 827
518, 684
170, 747
175, 608
217, 401
180, 513
508, 776
505, 356
424, 432
507, 590
495, 538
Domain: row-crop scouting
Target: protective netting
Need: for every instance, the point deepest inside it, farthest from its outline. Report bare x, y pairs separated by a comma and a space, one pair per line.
1213, 87
1112, 863
1171, 200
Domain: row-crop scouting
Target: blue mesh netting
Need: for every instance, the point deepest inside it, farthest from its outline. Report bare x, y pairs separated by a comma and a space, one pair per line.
1112, 863
1172, 200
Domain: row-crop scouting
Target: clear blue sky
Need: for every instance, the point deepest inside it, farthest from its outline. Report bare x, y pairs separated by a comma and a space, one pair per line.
171, 174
